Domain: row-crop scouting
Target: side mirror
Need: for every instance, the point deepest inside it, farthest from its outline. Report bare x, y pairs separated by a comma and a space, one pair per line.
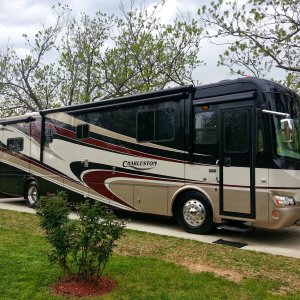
287, 128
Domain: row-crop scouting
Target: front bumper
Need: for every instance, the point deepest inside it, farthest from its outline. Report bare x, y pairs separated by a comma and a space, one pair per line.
281, 217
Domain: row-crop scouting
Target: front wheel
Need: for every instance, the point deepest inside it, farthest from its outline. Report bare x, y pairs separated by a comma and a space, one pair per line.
32, 194
194, 213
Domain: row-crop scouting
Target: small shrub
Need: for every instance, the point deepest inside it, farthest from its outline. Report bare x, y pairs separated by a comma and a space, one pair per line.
96, 237
85, 245
53, 212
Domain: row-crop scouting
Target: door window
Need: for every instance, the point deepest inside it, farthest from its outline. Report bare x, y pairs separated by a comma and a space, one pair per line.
236, 131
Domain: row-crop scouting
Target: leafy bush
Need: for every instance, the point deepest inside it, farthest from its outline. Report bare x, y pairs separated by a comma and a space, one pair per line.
53, 212
85, 245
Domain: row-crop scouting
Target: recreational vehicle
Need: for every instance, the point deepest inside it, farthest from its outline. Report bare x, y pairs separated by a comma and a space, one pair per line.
225, 153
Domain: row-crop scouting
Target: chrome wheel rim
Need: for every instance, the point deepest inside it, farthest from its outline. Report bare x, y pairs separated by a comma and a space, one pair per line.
32, 195
194, 213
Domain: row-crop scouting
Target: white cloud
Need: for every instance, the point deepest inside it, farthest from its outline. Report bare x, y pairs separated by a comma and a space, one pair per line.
23, 12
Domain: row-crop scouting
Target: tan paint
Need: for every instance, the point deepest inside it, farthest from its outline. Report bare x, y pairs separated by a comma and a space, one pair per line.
136, 191
152, 200
237, 200
123, 191
262, 208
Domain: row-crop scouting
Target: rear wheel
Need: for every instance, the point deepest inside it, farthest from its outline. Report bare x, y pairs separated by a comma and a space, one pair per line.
32, 194
194, 213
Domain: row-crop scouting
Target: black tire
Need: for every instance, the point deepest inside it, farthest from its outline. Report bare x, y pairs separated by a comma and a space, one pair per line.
32, 194
194, 213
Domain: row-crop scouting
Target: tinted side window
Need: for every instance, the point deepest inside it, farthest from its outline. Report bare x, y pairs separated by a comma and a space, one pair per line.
48, 136
82, 131
156, 125
120, 120
206, 128
164, 124
145, 126
236, 131
15, 144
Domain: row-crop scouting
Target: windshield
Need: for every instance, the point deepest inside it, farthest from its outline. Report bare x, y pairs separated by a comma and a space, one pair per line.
287, 142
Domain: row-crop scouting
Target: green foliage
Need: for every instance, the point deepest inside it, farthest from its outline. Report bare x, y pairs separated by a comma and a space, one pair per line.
148, 54
95, 238
292, 81
86, 244
53, 212
80, 58
28, 82
262, 34
97, 57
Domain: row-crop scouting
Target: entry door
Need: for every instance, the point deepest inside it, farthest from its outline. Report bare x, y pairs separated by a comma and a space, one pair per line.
237, 197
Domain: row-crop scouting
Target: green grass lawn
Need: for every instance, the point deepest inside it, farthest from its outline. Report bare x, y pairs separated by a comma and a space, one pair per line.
147, 266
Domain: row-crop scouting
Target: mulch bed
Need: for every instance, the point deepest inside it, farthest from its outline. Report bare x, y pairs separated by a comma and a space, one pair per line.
72, 286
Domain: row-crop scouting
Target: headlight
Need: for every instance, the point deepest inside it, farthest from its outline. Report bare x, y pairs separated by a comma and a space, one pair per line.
284, 200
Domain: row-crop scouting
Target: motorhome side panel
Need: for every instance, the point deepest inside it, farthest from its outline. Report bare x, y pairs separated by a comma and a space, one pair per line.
133, 155
57, 154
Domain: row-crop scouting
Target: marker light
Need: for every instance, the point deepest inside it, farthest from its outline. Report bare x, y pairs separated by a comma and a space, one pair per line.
275, 214
284, 200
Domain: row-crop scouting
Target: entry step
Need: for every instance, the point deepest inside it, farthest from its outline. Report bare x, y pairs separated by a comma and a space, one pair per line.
12, 199
237, 228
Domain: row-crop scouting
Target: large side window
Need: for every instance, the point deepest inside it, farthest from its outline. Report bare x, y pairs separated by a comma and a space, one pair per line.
206, 128
156, 125
145, 126
15, 144
236, 131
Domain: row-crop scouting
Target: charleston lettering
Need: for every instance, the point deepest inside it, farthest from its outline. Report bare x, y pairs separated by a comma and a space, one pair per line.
140, 164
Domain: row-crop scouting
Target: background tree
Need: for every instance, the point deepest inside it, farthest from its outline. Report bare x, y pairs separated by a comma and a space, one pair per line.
261, 34
80, 58
85, 59
149, 54
109, 56
28, 83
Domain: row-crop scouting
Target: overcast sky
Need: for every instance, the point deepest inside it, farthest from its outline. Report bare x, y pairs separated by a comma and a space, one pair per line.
25, 16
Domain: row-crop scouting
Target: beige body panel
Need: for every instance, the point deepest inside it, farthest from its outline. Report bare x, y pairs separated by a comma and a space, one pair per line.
151, 199
124, 191
237, 200
236, 191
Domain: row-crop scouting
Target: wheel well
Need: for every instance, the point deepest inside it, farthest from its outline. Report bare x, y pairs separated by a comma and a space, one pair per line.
27, 183
181, 193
